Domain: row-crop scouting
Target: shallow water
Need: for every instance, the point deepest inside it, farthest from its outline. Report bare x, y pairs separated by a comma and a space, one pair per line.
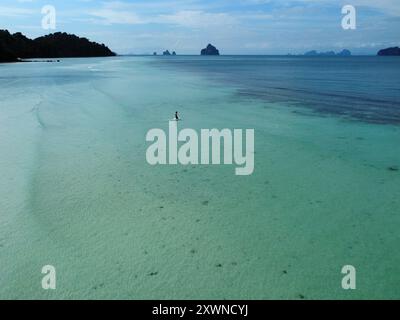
77, 192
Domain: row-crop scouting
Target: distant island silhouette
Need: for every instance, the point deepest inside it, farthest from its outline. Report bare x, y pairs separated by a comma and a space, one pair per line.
394, 51
14, 47
343, 53
210, 50
167, 53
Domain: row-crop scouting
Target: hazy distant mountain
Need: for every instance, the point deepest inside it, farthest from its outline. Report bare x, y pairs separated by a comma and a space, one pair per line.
395, 51
343, 53
58, 45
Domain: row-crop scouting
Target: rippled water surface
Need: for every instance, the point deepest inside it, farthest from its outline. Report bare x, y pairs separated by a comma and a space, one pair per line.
77, 192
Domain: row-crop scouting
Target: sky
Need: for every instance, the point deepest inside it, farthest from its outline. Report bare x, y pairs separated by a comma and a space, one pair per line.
233, 26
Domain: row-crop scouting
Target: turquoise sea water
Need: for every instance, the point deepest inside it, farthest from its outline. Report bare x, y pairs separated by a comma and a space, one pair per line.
77, 192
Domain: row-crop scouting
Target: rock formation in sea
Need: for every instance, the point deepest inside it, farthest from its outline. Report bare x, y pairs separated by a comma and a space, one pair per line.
166, 53
395, 51
210, 51
14, 47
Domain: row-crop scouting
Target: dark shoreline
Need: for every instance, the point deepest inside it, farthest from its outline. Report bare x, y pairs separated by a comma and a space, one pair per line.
46, 60
31, 61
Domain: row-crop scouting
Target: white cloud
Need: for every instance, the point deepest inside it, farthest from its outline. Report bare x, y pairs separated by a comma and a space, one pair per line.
111, 16
14, 12
390, 7
117, 12
197, 19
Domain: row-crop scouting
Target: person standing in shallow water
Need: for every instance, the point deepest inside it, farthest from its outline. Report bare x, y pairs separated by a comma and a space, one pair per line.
176, 116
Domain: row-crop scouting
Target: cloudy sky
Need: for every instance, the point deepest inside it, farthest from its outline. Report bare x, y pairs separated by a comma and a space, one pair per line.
234, 26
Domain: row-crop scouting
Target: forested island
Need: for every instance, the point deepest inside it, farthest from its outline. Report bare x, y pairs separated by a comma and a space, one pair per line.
17, 47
